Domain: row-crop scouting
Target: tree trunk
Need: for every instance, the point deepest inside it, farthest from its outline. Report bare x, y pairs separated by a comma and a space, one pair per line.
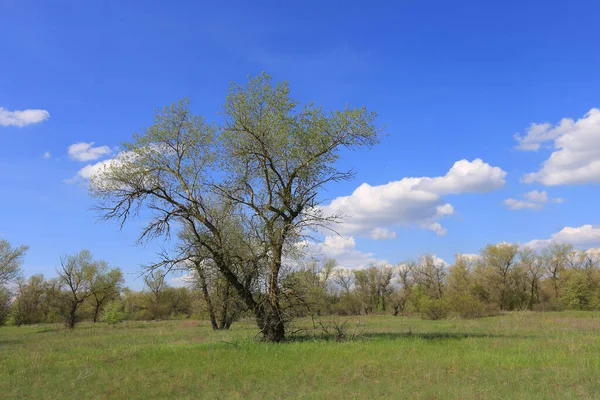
72, 319
271, 324
97, 310
225, 318
531, 295
209, 306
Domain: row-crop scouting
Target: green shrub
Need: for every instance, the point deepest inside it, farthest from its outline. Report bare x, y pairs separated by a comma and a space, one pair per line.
468, 307
112, 313
178, 316
433, 308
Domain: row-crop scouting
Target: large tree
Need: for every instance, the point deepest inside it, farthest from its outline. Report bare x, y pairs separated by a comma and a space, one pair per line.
246, 188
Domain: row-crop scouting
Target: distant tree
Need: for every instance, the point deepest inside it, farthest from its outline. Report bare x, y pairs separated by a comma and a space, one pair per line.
499, 262
534, 271
74, 283
401, 295
105, 286
305, 288
156, 283
556, 260
32, 303
430, 275
10, 261
343, 278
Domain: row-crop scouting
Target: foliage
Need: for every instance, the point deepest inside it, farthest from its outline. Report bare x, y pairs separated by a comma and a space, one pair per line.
245, 190
433, 309
112, 313
10, 261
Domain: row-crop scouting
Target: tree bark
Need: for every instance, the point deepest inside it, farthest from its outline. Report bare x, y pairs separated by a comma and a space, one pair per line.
209, 305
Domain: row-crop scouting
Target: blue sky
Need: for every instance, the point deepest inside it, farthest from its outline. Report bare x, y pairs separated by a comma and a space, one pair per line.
450, 80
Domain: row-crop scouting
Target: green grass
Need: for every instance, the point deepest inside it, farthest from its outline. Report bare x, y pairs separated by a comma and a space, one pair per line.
514, 356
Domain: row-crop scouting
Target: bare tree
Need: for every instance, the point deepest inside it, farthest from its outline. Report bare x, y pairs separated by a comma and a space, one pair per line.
343, 278
430, 274
248, 186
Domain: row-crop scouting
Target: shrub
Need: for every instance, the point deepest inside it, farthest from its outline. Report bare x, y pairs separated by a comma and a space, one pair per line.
112, 313
178, 316
468, 307
552, 305
433, 308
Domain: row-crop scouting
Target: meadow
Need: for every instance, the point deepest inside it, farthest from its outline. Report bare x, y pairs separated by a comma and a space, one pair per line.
518, 355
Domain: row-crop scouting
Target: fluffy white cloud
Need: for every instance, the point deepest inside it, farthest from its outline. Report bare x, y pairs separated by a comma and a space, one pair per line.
91, 170
86, 152
585, 236
343, 249
576, 155
23, 117
47, 155
411, 201
533, 200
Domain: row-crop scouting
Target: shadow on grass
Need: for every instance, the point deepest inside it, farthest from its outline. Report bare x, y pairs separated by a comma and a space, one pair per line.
307, 337
9, 342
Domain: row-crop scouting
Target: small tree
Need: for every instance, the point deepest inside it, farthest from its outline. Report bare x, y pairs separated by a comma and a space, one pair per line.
32, 303
156, 283
105, 286
74, 283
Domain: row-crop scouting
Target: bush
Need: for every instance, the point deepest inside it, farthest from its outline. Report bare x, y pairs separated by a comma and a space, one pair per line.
112, 313
468, 307
433, 308
179, 316
552, 305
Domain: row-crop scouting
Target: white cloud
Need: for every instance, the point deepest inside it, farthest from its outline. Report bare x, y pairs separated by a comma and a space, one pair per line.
585, 236
22, 118
343, 249
47, 155
412, 201
381, 234
438, 228
576, 155
533, 200
185, 280
86, 152
91, 170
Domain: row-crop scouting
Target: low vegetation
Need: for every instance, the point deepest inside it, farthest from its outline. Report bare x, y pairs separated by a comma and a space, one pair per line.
518, 355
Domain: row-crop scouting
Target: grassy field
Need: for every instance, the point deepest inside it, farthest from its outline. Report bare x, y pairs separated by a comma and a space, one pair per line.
514, 356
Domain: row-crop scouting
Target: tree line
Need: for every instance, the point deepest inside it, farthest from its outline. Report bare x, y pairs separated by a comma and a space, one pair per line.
502, 277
